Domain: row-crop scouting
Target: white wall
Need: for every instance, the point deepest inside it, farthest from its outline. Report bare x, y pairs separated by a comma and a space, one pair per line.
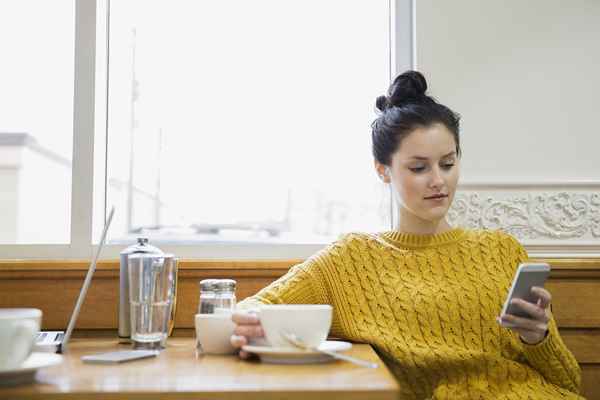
524, 76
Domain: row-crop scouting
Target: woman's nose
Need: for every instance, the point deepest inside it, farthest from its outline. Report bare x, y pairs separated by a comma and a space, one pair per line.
436, 178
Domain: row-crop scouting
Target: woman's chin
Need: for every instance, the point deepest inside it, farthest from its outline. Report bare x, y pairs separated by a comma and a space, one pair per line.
435, 214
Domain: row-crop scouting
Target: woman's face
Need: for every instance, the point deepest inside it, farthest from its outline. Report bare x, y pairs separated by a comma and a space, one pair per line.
424, 172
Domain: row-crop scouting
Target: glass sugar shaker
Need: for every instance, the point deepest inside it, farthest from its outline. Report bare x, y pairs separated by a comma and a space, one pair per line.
225, 299
207, 300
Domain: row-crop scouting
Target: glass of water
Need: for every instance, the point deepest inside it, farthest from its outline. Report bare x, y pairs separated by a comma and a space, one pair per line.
152, 283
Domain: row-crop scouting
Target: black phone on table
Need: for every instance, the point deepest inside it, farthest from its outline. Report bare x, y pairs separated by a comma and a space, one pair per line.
115, 357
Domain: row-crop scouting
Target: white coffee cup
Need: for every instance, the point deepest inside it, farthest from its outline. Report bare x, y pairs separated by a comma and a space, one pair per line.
213, 332
18, 330
309, 322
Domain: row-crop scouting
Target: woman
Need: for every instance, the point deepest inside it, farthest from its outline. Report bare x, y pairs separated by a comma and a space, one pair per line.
426, 295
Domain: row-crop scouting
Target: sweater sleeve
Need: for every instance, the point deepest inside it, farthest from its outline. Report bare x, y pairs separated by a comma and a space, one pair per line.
554, 361
302, 284
550, 357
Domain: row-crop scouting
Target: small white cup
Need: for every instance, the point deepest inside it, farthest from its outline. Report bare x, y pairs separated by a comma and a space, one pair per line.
213, 332
309, 322
18, 330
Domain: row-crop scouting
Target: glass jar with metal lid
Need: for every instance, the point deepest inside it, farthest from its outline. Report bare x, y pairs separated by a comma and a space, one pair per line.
225, 299
140, 247
206, 302
216, 296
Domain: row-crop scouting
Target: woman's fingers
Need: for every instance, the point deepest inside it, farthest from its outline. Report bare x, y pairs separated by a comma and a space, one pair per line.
534, 310
249, 330
525, 323
531, 329
544, 296
247, 326
245, 318
245, 355
238, 341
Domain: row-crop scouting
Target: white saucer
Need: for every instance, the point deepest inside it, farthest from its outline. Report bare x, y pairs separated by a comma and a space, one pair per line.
26, 371
293, 355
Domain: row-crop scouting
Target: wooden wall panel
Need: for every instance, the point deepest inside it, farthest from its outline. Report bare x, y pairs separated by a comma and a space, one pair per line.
576, 302
57, 297
54, 289
590, 384
584, 343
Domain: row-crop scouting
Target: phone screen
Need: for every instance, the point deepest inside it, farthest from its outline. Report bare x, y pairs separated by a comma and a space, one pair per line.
526, 277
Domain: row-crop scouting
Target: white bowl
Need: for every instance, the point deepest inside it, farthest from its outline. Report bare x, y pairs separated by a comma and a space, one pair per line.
18, 329
309, 322
213, 332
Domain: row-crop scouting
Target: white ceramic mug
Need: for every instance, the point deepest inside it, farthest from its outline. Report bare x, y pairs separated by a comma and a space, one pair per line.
213, 332
309, 322
18, 330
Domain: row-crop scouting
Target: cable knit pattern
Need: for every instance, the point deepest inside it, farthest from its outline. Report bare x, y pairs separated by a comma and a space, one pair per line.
428, 304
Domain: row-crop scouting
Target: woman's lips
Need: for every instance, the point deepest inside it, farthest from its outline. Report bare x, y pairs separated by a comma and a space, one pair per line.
436, 197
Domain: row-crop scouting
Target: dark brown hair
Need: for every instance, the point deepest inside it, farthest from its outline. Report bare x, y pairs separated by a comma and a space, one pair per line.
406, 108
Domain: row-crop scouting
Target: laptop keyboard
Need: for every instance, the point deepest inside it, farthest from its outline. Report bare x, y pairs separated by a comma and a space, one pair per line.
49, 337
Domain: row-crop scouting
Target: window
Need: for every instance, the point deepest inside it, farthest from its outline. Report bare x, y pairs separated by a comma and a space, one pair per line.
245, 120
36, 121
220, 129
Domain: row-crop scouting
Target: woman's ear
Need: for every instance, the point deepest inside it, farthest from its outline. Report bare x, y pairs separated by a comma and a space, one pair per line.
383, 171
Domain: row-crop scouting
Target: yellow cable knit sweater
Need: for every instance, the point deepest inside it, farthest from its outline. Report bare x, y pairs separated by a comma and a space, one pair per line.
428, 304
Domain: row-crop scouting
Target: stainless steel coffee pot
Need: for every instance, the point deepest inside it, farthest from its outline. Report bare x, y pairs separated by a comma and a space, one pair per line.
141, 247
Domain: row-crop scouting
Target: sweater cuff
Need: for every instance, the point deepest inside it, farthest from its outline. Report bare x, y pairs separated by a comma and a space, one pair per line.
248, 304
548, 349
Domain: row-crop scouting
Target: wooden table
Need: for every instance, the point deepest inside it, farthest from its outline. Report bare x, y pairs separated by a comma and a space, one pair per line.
177, 374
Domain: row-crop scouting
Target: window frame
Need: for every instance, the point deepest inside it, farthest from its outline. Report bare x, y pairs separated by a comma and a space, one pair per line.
402, 56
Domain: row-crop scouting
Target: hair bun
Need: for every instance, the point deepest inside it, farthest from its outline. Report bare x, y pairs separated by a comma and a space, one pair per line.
407, 87
382, 103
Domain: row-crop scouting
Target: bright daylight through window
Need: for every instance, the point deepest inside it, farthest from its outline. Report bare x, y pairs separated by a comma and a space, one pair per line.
36, 120
222, 122
245, 121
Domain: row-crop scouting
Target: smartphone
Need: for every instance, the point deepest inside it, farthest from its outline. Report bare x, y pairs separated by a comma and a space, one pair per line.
527, 276
118, 356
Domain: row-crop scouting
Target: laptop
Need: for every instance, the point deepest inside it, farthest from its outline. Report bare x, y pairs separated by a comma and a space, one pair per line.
57, 341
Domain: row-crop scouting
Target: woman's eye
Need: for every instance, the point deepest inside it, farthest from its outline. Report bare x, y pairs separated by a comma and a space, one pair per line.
417, 169
447, 165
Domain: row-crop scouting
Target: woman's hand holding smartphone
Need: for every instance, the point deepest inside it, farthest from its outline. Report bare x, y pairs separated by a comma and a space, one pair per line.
527, 307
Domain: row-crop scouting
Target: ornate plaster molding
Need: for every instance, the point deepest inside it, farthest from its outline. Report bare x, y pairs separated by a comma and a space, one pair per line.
563, 218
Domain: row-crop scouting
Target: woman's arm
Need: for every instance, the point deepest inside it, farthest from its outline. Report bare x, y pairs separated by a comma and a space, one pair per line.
299, 285
543, 347
553, 360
